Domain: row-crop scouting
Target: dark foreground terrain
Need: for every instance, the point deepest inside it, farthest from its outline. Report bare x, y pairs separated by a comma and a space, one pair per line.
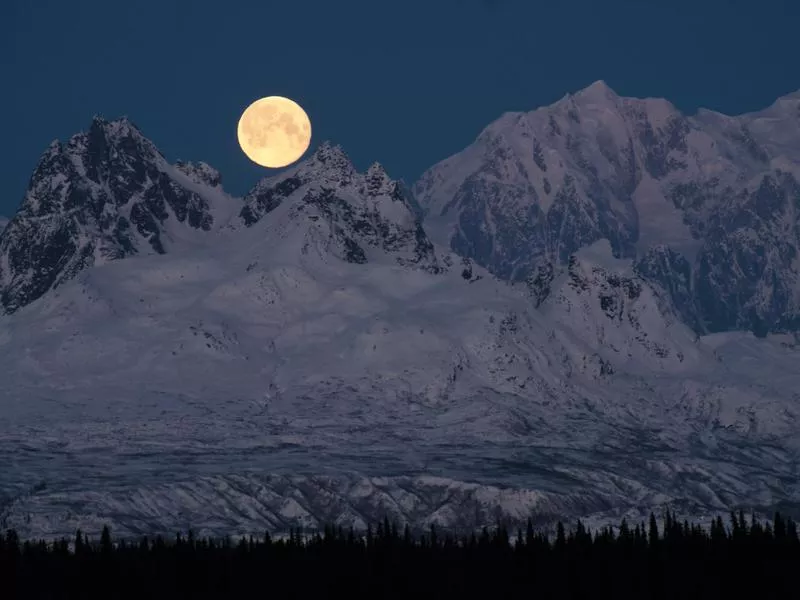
667, 560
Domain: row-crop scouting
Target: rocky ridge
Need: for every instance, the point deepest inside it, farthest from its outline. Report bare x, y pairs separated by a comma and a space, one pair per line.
706, 204
106, 194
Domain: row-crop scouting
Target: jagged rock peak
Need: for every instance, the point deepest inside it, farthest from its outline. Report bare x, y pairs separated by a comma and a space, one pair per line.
341, 212
105, 195
376, 169
332, 157
378, 181
329, 168
200, 172
117, 129
53, 148
120, 126
118, 140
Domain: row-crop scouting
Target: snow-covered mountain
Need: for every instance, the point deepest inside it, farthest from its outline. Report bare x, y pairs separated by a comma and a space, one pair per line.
341, 212
311, 356
709, 205
106, 194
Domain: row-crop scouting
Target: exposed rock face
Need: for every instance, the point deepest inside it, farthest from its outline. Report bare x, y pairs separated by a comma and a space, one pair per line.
707, 205
606, 304
106, 194
348, 211
109, 193
317, 358
671, 270
200, 172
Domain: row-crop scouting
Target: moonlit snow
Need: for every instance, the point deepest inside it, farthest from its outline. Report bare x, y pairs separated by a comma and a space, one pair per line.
315, 359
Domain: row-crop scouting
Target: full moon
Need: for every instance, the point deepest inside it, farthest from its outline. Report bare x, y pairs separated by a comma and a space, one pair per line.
274, 132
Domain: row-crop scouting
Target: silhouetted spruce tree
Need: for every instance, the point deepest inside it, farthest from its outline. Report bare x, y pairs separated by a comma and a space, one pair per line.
779, 527
624, 532
561, 537
105, 540
81, 543
718, 533
12, 543
756, 530
791, 532
652, 533
529, 533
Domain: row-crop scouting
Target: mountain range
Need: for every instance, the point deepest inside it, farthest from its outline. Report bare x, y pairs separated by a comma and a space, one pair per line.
591, 311
707, 206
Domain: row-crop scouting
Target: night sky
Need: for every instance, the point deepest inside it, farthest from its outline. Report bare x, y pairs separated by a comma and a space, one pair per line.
405, 83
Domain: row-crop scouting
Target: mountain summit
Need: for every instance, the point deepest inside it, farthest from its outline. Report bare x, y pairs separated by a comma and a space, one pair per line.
333, 208
308, 354
109, 193
715, 196
106, 194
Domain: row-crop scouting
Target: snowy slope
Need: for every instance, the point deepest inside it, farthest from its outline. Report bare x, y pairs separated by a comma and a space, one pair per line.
106, 194
712, 198
317, 358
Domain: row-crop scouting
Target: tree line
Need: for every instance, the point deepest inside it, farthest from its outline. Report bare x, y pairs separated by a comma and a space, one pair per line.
670, 559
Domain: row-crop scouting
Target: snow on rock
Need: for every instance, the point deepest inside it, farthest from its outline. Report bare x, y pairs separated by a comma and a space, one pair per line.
598, 299
292, 392
314, 357
328, 207
200, 172
719, 193
106, 194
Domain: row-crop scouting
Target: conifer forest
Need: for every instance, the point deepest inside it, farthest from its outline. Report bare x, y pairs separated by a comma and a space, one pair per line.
742, 557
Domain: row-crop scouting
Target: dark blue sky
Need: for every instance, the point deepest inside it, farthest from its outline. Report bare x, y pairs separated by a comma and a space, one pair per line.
406, 83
